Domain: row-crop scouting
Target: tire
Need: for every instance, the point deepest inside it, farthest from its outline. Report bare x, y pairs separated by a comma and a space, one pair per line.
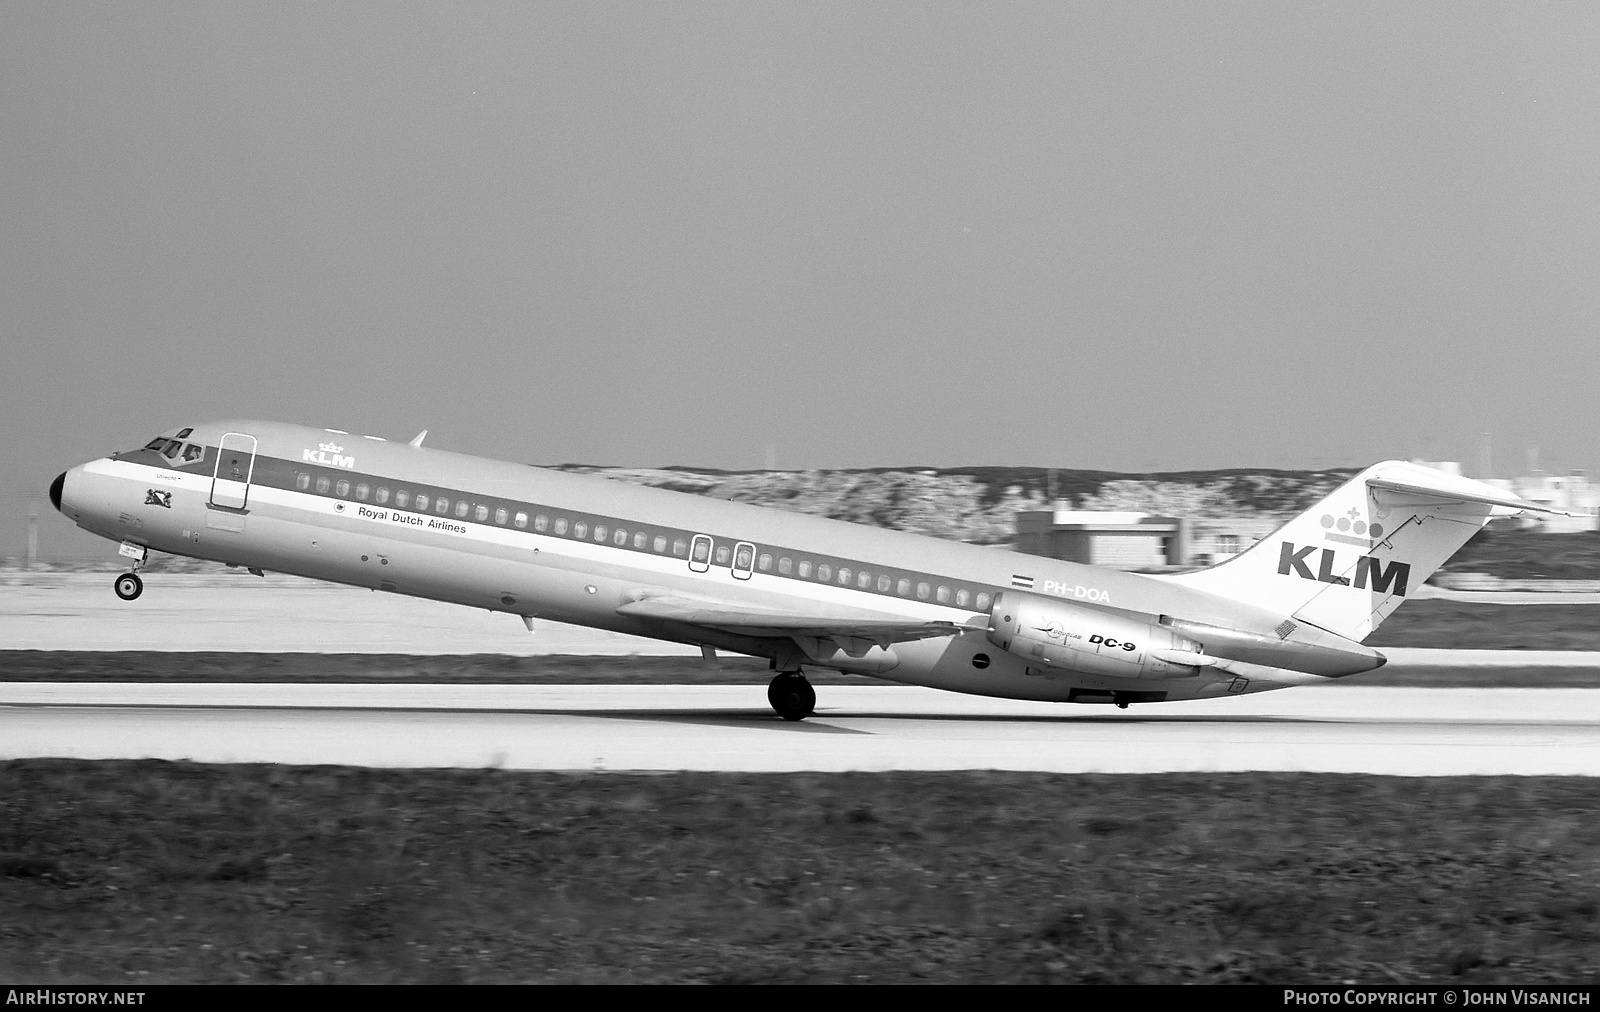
128, 586
792, 697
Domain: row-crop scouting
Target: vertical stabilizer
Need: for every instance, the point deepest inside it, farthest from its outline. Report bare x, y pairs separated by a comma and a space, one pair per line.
1348, 562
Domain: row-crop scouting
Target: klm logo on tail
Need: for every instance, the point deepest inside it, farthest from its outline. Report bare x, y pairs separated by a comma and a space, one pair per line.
1369, 571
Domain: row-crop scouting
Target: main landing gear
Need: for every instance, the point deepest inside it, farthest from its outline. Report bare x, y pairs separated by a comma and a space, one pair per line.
792, 696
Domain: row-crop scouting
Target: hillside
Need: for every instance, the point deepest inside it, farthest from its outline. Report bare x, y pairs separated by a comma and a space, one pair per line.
979, 504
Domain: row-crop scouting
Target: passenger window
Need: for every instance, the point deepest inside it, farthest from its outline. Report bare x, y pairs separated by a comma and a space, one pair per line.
942, 595
481, 513
441, 505
402, 498
679, 546
922, 591
362, 491
844, 577
342, 489
723, 554
864, 581
660, 543
805, 569
461, 509
580, 530
422, 503
600, 533
383, 494
983, 602
962, 597
883, 584
323, 484
561, 525
824, 573
903, 588
521, 520
501, 515
640, 540
785, 566
764, 563
541, 522
620, 539
302, 481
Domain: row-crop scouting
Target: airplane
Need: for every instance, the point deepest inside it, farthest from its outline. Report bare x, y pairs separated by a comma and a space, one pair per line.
800, 591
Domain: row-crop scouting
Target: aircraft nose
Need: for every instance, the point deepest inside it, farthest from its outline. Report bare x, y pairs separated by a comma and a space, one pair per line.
55, 490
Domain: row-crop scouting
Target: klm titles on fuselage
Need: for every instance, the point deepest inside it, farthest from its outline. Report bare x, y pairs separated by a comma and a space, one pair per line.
1292, 560
328, 455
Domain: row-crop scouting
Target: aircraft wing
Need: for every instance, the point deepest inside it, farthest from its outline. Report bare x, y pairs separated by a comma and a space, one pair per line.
849, 629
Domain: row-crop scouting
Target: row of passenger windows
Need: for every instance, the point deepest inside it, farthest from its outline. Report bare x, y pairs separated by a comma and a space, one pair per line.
702, 550
863, 579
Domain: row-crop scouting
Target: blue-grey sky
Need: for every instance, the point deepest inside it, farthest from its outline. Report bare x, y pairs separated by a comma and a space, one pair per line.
1126, 236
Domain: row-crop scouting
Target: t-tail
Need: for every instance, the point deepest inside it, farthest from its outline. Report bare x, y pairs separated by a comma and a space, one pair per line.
1348, 562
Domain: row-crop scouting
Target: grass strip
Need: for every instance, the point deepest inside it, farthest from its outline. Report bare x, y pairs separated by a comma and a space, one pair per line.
146, 872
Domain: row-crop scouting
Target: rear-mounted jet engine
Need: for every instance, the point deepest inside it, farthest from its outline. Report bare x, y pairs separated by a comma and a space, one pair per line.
1090, 640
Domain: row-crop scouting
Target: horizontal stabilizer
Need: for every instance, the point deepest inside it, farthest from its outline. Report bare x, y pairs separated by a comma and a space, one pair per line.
1439, 494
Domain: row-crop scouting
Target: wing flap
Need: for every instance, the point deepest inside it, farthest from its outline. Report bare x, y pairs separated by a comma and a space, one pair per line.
746, 620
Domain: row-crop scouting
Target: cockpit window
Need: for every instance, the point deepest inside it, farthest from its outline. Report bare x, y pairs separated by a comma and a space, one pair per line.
177, 449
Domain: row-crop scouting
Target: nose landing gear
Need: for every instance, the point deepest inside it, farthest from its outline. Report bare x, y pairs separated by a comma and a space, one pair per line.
791, 696
128, 586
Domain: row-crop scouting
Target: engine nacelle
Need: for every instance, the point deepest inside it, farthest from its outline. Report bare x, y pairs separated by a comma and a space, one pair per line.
1071, 637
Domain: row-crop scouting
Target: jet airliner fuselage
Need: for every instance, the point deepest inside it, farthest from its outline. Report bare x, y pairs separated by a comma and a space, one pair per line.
798, 590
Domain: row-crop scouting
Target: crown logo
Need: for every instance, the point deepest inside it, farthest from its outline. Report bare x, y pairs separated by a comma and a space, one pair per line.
1350, 529
330, 447
1349, 523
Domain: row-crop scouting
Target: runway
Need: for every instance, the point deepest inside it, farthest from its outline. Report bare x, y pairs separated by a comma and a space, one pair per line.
1406, 732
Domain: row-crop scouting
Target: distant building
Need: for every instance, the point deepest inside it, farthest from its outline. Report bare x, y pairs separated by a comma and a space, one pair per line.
1574, 493
1127, 540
